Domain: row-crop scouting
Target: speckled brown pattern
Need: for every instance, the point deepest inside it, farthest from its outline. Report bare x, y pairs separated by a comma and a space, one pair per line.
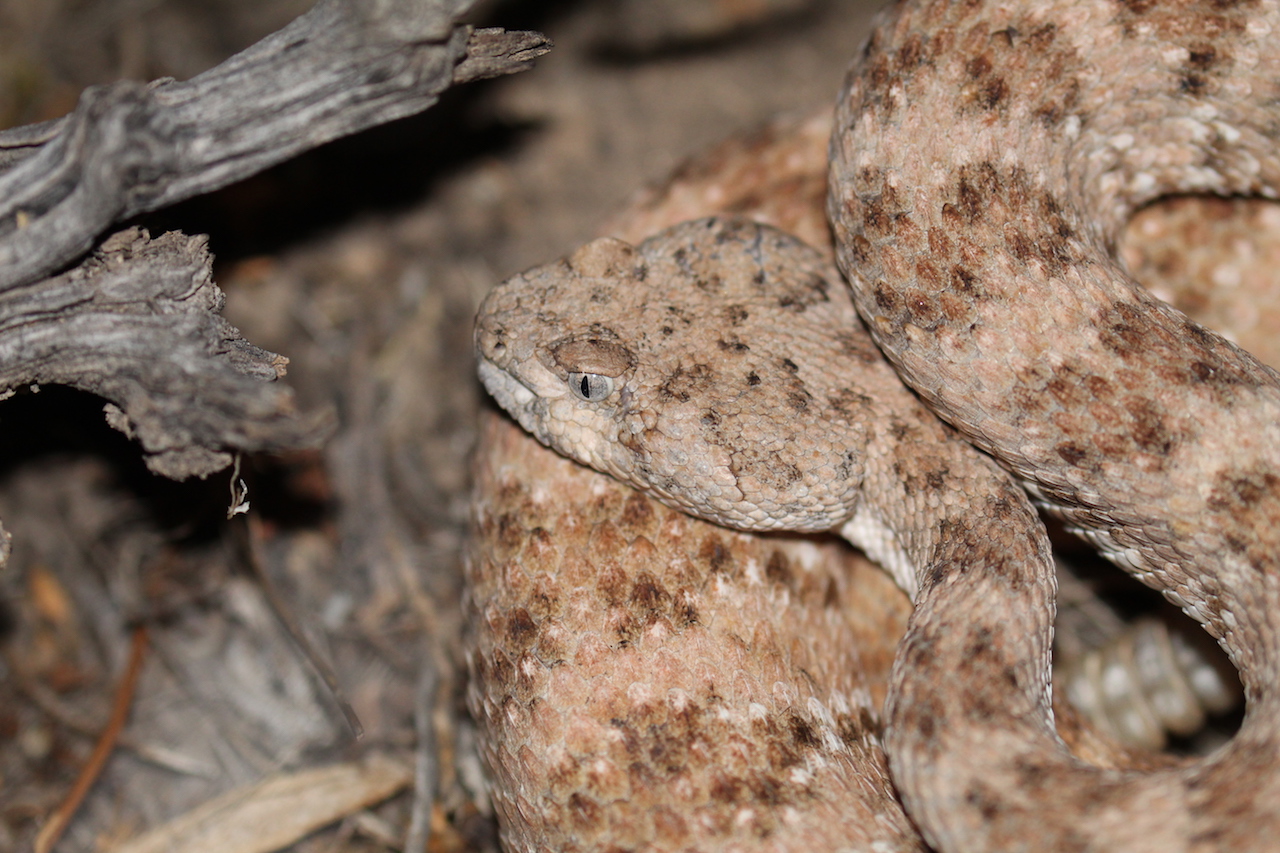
1215, 259
1037, 836
789, 193
804, 427
694, 190
981, 260
647, 681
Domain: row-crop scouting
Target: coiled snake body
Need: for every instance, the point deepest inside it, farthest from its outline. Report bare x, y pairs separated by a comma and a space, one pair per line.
984, 159
981, 260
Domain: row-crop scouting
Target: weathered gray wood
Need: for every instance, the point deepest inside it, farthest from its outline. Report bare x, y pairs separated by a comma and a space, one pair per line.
129, 147
138, 324
492, 52
137, 321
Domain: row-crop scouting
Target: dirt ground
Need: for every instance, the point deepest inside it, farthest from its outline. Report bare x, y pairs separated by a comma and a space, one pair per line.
362, 262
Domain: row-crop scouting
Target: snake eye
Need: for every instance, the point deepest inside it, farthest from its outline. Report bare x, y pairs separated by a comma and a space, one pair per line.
591, 387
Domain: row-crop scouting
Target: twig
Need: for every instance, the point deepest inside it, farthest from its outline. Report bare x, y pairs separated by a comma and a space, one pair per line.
121, 705
425, 766
284, 613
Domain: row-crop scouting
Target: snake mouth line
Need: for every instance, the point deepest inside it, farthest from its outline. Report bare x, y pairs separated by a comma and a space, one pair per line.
503, 386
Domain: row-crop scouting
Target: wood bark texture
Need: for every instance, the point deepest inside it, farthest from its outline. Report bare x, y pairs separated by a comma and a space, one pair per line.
135, 319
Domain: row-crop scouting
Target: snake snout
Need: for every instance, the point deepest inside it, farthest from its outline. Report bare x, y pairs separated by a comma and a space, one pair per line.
491, 339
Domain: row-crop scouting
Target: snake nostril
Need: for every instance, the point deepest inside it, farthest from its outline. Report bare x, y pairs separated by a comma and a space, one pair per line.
491, 341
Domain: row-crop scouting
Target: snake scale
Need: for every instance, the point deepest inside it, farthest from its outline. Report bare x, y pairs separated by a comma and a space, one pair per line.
982, 260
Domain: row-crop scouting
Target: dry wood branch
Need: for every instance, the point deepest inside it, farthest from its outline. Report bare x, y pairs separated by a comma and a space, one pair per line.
492, 52
129, 148
137, 322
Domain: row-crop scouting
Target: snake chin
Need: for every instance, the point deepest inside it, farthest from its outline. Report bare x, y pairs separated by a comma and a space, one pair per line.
516, 398
504, 387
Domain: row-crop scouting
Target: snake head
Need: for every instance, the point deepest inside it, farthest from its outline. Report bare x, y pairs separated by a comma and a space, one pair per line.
554, 373
698, 367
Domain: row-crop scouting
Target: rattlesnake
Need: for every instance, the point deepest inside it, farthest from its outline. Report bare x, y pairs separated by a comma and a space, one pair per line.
565, 559
970, 790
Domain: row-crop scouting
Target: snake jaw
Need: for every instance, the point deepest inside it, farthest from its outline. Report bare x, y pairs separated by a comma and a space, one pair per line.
503, 385
524, 400
517, 399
